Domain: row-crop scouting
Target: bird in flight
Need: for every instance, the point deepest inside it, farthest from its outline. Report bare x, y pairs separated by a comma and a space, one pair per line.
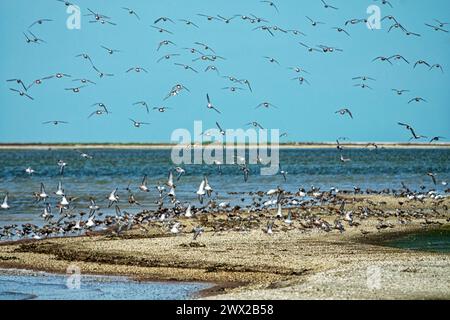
436, 139
40, 21
266, 105
109, 50
142, 103
345, 111
21, 93
327, 6
313, 22
210, 105
272, 4
417, 99
131, 12
138, 124
55, 122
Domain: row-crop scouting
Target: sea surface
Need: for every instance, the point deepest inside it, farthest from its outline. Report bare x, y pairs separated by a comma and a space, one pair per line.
110, 169
433, 241
30, 285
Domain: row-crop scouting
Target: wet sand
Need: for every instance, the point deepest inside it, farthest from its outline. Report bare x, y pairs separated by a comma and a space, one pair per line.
293, 263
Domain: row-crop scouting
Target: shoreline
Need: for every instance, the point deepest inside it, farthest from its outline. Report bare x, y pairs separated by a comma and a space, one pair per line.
167, 146
294, 262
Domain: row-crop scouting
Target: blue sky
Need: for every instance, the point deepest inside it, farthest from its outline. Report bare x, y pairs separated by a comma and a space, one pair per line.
305, 112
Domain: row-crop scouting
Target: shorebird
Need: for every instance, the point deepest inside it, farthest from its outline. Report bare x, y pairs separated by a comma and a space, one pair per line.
55, 122
5, 204
188, 23
272, 4
201, 191
138, 124
400, 92
142, 103
436, 139
30, 171
113, 197
327, 6
180, 171
210, 105
144, 185
22, 94
432, 176
417, 99
131, 12
266, 105
59, 191
345, 111
61, 164
343, 159
40, 22
255, 124
84, 155
110, 51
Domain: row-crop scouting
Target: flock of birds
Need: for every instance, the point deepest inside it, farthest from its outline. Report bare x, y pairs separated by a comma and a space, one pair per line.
67, 221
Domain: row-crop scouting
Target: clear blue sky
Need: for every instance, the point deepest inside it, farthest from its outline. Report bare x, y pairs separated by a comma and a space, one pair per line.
305, 112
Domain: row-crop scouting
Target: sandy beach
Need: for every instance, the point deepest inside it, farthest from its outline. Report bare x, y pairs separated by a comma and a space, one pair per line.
295, 262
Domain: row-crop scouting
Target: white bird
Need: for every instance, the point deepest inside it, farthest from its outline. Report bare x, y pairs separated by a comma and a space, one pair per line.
113, 198
60, 190
5, 204
208, 188
143, 187
289, 218
29, 170
170, 180
64, 201
188, 213
201, 191
279, 212
175, 228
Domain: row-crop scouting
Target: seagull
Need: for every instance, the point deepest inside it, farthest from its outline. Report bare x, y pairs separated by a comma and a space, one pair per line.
398, 57
137, 69
436, 28
301, 80
363, 78
186, 67
201, 191
383, 59
298, 70
138, 124
21, 93
411, 129
209, 18
142, 103
421, 62
61, 165
84, 81
161, 30
144, 185
436, 139
227, 20
18, 81
432, 176
437, 66
84, 155
165, 43
75, 89
161, 109
213, 68
109, 50
210, 105
40, 21
310, 49
314, 23
418, 99
55, 122
345, 159
400, 92
362, 85
255, 124
265, 28
327, 6
341, 30
132, 12
180, 172
222, 132
102, 74
113, 198
167, 57
270, 3
385, 2
271, 60
343, 112
5, 205
266, 105
188, 23
30, 171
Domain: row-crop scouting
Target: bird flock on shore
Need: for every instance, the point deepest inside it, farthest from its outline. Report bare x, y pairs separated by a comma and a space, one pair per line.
197, 58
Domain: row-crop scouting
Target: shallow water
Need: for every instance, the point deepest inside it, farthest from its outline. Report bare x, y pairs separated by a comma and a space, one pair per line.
433, 241
109, 169
20, 285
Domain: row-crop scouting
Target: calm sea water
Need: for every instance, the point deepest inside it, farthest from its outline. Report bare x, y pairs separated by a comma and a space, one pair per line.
109, 169
21, 285
434, 241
